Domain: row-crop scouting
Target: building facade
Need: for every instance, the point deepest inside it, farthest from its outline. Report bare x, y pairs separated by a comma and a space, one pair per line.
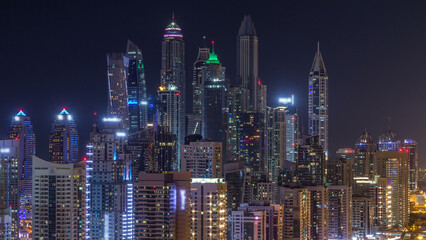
63, 139
318, 101
118, 100
109, 195
10, 156
203, 159
22, 129
59, 200
173, 73
208, 209
162, 206
136, 88
247, 60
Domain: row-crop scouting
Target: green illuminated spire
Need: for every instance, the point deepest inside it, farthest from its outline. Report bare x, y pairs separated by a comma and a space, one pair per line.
213, 57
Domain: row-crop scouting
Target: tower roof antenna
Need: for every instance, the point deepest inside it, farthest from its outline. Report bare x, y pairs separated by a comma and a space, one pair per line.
173, 15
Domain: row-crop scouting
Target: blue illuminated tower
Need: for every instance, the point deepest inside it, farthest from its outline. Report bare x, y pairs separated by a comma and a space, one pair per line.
318, 101
63, 139
136, 88
109, 195
214, 110
21, 129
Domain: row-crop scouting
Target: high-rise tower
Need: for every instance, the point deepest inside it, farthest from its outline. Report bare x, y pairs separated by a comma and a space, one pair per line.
214, 110
117, 68
63, 140
247, 59
173, 72
21, 129
318, 101
136, 88
194, 119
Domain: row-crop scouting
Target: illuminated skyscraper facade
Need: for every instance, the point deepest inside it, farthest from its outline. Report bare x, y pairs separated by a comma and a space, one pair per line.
22, 129
311, 162
247, 60
59, 200
214, 104
63, 139
410, 146
208, 208
136, 88
194, 119
318, 101
339, 212
118, 101
276, 137
162, 206
389, 141
169, 118
10, 156
364, 156
109, 195
203, 159
173, 74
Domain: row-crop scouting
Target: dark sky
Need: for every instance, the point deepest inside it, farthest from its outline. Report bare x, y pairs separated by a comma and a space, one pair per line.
53, 55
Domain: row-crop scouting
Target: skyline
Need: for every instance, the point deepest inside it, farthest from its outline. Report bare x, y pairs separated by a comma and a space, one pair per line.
92, 71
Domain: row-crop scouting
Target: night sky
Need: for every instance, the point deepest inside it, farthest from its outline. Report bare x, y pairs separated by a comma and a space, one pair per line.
53, 55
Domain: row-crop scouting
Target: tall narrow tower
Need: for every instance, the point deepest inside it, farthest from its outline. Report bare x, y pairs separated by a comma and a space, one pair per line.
117, 67
136, 88
247, 59
21, 129
173, 72
318, 101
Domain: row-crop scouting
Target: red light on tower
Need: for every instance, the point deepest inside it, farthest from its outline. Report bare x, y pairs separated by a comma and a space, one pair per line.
400, 150
212, 42
259, 82
95, 113
84, 158
177, 94
20, 110
406, 150
63, 108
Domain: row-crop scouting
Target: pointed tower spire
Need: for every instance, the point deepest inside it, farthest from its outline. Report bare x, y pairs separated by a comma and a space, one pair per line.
318, 64
213, 57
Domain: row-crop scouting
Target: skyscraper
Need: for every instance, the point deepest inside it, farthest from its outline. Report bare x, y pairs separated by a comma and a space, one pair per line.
339, 212
173, 72
118, 101
364, 156
276, 136
136, 88
194, 119
247, 60
63, 139
10, 156
22, 129
203, 159
389, 141
410, 146
162, 206
109, 195
59, 200
208, 208
297, 212
169, 118
311, 162
214, 104
318, 101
